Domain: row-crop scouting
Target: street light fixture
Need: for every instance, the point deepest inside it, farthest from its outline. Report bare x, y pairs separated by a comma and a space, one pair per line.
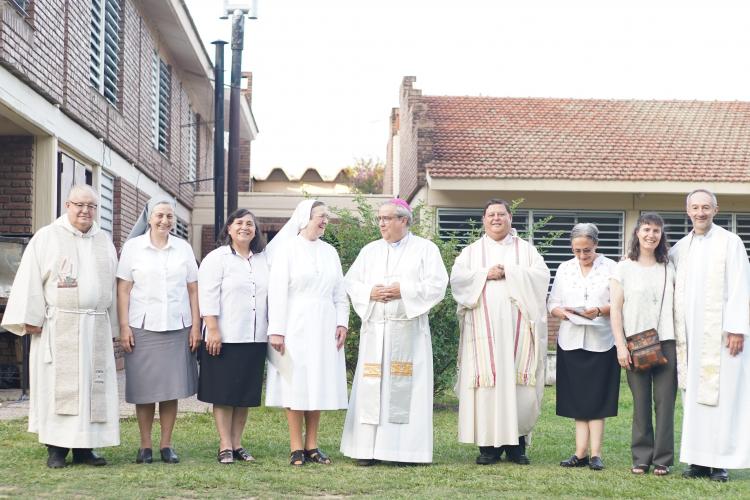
238, 10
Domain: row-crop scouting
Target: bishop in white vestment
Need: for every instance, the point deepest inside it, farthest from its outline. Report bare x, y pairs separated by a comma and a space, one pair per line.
500, 285
712, 322
393, 284
63, 295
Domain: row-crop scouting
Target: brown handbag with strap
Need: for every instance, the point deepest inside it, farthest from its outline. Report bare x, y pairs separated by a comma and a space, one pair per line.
645, 347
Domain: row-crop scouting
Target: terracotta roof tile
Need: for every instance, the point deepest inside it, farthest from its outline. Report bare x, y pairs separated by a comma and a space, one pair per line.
485, 137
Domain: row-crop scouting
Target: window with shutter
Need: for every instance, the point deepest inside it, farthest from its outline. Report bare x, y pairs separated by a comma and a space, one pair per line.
677, 225
107, 203
458, 223
105, 47
161, 89
193, 147
180, 229
21, 5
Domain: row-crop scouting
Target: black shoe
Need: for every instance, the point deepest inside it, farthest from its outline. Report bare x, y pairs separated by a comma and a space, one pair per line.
574, 461
720, 475
596, 463
145, 456
87, 457
488, 455
56, 457
168, 456
696, 471
517, 453
366, 462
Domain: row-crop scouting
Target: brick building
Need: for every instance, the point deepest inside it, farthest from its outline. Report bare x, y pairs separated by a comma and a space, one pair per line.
572, 160
115, 93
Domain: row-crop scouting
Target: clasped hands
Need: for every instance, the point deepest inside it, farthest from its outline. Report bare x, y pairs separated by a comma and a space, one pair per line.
382, 293
496, 272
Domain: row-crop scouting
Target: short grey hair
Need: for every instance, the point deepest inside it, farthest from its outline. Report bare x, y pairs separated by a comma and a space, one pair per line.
585, 230
400, 212
83, 189
151, 206
702, 190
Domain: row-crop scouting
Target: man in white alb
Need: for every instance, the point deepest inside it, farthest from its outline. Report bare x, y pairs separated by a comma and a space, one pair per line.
500, 285
712, 319
393, 284
63, 295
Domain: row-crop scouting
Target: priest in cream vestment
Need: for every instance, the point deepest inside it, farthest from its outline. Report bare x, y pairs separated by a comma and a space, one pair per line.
63, 296
500, 285
393, 284
712, 322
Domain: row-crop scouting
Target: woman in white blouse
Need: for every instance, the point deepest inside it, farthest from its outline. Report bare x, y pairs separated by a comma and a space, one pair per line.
642, 292
157, 302
233, 290
588, 377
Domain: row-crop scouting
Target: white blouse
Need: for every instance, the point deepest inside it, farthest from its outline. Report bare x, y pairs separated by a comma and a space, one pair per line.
159, 298
572, 289
642, 289
236, 290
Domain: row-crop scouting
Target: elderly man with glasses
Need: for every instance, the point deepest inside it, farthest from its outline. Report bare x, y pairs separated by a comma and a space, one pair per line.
63, 296
393, 284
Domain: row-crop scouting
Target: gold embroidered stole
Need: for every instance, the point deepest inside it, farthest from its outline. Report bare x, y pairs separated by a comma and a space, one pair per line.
713, 302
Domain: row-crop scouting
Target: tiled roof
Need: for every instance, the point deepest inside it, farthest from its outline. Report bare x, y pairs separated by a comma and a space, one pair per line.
624, 140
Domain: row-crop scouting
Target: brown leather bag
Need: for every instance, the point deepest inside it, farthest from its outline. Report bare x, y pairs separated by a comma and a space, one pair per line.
645, 347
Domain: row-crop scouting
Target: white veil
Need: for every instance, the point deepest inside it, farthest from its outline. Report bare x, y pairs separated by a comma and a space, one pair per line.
291, 229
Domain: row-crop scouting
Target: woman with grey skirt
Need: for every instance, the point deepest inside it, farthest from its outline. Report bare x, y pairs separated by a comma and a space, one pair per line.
157, 304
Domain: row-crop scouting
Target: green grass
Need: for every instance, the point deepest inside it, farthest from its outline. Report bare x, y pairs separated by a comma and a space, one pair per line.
453, 474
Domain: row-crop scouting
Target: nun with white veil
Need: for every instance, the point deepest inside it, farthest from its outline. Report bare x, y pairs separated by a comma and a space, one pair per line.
308, 315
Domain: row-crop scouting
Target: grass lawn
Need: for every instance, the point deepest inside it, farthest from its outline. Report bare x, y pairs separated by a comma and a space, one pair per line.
453, 474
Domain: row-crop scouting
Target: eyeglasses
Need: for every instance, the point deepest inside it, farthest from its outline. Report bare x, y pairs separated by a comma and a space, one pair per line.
387, 218
81, 206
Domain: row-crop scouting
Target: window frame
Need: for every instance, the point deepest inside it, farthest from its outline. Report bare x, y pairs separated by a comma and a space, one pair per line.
161, 98
105, 42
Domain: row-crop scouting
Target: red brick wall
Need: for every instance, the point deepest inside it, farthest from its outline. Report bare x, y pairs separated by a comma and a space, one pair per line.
128, 204
415, 136
16, 167
50, 51
207, 240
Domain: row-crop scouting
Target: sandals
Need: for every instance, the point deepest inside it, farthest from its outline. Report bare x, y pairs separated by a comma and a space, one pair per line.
661, 470
317, 456
640, 470
242, 455
297, 458
225, 457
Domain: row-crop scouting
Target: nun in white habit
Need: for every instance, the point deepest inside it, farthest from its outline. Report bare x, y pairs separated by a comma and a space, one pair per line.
308, 316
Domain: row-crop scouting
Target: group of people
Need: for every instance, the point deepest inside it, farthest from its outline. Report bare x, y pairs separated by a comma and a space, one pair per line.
285, 305
696, 297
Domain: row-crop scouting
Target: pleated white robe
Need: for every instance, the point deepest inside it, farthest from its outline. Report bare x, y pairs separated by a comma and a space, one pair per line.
418, 267
499, 415
716, 436
306, 302
32, 301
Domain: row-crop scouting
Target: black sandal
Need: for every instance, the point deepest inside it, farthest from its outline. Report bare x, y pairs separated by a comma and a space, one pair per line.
317, 456
297, 456
243, 455
225, 457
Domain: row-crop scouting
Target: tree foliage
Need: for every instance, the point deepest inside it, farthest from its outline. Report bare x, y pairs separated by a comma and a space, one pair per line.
365, 176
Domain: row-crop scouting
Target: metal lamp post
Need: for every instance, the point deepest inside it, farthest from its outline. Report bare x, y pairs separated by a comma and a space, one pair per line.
238, 10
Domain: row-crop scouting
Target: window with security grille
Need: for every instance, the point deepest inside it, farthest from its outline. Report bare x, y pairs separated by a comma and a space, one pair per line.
459, 223
193, 146
180, 229
677, 225
21, 5
106, 30
161, 89
107, 203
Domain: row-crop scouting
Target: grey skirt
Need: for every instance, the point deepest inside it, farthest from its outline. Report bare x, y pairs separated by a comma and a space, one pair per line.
161, 367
